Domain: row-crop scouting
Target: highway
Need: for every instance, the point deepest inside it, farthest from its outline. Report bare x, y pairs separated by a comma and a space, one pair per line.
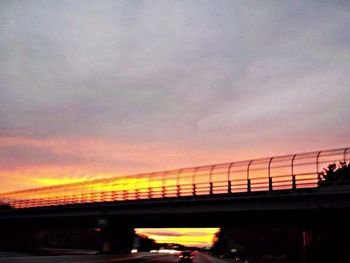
142, 257
200, 258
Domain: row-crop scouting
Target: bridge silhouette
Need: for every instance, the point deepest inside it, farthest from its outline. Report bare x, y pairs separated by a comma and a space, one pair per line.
280, 191
264, 175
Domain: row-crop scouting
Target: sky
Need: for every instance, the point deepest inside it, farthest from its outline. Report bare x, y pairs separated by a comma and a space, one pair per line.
92, 89
199, 237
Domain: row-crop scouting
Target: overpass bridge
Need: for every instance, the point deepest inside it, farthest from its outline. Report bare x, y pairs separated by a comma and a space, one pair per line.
284, 189
280, 191
211, 195
268, 175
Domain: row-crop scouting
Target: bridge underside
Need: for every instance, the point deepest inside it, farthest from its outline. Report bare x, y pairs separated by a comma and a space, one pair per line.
301, 207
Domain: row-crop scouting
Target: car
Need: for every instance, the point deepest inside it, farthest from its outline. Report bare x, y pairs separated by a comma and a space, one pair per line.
186, 257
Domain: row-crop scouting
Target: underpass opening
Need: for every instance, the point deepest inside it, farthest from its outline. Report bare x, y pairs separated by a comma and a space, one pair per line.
173, 240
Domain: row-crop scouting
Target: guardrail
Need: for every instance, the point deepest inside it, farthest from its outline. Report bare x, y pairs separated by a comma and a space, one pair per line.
265, 174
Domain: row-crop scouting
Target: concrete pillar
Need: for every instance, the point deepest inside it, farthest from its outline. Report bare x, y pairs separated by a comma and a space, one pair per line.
115, 237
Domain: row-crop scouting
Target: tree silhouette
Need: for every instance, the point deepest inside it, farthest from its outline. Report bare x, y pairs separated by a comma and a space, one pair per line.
335, 174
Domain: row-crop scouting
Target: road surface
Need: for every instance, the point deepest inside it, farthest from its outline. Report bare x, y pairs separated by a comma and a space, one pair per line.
141, 257
200, 258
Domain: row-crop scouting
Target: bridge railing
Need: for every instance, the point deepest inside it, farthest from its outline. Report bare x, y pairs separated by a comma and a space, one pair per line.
265, 174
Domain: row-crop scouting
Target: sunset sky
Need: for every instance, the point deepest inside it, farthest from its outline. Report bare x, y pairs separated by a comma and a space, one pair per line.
199, 237
92, 89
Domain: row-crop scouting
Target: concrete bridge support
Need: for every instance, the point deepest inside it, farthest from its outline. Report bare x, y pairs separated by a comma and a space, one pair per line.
115, 237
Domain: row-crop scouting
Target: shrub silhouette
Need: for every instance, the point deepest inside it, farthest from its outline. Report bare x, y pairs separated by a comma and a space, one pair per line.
335, 174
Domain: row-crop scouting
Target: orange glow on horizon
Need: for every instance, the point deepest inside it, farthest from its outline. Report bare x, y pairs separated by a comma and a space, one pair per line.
43, 176
198, 237
97, 158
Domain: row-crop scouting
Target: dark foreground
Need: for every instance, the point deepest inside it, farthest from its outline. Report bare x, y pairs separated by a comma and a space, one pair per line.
6, 257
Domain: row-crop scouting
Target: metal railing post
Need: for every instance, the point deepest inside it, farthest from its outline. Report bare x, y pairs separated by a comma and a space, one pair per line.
269, 173
317, 162
177, 183
163, 184
194, 181
248, 178
294, 184
229, 178
211, 179
149, 185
